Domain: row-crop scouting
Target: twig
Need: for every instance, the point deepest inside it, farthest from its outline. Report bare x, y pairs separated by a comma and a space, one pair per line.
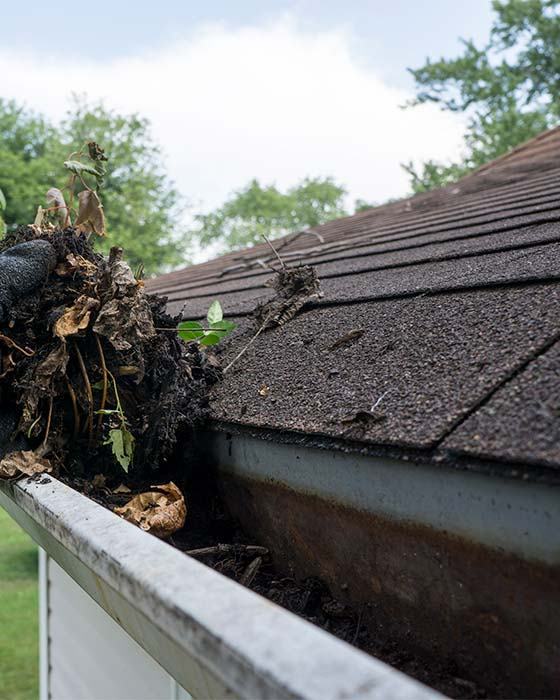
72, 395
250, 572
105, 381
275, 252
89, 390
244, 349
226, 549
28, 352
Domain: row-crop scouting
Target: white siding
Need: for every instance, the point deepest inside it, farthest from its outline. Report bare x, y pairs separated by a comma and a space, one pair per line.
87, 655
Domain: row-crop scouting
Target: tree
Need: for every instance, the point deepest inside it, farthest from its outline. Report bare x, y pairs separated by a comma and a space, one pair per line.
27, 166
510, 88
141, 205
260, 210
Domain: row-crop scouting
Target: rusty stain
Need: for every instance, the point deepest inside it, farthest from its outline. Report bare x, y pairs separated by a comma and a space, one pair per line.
491, 614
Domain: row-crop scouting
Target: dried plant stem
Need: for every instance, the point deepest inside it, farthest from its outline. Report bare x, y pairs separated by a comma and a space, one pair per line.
89, 390
49, 418
72, 395
105, 380
30, 430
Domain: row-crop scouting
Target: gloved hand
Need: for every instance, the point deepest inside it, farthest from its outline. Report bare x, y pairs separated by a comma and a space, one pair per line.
23, 269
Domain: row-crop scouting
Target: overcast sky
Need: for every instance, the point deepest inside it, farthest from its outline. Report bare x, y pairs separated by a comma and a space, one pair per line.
273, 89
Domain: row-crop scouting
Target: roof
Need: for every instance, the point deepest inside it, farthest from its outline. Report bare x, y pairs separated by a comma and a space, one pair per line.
438, 332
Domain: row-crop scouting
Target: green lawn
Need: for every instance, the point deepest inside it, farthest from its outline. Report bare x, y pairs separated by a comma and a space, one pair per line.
19, 676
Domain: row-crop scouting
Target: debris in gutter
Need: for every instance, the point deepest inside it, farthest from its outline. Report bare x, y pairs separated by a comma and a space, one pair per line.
99, 481
23, 462
251, 571
161, 511
227, 549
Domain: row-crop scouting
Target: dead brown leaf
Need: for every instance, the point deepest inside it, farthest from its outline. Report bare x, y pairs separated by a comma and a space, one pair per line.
99, 481
121, 488
55, 200
91, 218
73, 264
126, 319
160, 512
23, 462
76, 318
50, 369
54, 365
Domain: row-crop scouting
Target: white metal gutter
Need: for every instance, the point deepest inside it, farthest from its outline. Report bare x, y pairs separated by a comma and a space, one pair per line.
511, 515
216, 638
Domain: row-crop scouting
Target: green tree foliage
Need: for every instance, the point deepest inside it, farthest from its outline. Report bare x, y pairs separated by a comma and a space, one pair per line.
142, 207
260, 210
27, 168
510, 88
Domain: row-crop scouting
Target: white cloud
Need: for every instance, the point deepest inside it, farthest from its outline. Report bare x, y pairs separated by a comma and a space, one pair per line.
273, 102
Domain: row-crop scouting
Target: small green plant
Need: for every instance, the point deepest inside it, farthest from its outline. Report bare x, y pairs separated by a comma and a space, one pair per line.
217, 328
120, 438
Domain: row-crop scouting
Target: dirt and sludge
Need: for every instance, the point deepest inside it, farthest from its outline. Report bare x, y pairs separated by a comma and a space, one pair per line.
105, 395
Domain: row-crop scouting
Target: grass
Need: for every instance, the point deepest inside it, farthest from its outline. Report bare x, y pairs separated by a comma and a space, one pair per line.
19, 675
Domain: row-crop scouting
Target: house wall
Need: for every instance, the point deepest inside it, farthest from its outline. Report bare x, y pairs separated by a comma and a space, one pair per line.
85, 654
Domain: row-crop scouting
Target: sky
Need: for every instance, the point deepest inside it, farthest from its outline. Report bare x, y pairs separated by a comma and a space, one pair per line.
274, 89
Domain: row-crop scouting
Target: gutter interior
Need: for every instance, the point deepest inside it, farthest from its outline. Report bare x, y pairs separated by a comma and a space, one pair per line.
450, 576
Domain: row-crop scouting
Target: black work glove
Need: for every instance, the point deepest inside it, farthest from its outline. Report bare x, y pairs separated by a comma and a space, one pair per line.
23, 269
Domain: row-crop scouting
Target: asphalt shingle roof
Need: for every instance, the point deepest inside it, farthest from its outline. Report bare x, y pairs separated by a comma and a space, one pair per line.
456, 294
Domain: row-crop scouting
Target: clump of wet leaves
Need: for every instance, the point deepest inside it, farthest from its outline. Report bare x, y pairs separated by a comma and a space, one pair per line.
95, 366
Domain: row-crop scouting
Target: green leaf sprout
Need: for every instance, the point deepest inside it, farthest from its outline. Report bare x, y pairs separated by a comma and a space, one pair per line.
217, 328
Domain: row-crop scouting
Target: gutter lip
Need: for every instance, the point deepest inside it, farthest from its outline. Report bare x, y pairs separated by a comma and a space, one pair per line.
252, 646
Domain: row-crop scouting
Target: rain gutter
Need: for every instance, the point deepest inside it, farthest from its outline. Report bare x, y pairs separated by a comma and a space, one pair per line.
216, 638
